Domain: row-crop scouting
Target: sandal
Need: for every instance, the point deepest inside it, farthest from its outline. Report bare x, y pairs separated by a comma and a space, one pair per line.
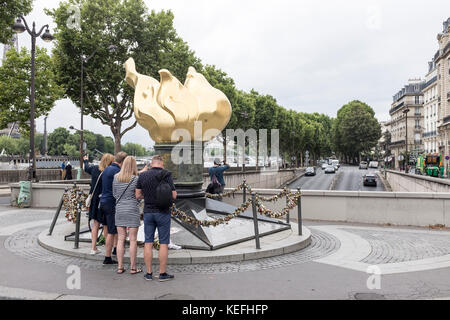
120, 270
135, 271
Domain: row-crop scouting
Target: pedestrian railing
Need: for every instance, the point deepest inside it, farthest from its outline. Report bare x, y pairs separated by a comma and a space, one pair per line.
73, 202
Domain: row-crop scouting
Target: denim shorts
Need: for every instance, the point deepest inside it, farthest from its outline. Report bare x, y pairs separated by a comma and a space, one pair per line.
160, 221
108, 212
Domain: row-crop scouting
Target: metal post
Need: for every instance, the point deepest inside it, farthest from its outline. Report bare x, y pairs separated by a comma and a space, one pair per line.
299, 217
77, 225
55, 218
32, 104
81, 108
287, 215
255, 221
244, 194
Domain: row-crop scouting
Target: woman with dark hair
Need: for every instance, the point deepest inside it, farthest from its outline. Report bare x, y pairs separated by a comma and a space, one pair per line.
96, 188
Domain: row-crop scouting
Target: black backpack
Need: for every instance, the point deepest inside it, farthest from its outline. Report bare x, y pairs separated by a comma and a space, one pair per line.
164, 198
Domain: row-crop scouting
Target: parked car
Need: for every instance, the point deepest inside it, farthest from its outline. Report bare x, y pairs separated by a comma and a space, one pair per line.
363, 165
373, 164
324, 166
330, 169
370, 179
310, 171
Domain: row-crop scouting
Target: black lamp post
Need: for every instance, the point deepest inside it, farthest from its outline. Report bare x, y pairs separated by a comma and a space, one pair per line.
245, 116
84, 60
293, 152
18, 27
406, 141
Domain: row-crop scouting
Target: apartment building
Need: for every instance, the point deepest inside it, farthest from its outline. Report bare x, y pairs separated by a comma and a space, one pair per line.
431, 110
442, 61
406, 124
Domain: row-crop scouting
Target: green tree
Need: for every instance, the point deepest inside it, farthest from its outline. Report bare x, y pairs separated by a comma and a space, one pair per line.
15, 87
356, 130
9, 12
8, 145
149, 38
56, 141
134, 149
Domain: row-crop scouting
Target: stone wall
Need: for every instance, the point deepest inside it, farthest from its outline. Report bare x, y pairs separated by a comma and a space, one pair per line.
11, 176
402, 182
394, 208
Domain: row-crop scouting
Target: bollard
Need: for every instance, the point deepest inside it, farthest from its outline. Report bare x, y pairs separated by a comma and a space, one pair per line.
244, 193
78, 222
55, 218
299, 204
255, 221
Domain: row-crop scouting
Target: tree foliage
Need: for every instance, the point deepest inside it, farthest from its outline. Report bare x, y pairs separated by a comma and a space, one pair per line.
149, 38
9, 12
15, 87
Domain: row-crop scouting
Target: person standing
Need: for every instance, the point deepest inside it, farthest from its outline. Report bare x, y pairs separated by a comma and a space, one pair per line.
68, 171
216, 173
108, 205
96, 187
127, 211
156, 217
63, 170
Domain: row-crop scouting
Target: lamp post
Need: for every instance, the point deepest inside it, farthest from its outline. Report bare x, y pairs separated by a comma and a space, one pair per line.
84, 60
406, 140
18, 27
245, 116
292, 157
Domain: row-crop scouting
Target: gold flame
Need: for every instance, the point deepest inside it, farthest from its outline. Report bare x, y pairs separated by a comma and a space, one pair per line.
163, 107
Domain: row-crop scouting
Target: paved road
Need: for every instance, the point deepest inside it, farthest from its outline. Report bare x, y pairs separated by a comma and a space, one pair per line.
351, 179
348, 178
320, 181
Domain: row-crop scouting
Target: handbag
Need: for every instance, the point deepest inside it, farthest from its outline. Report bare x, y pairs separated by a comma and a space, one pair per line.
131, 180
91, 195
214, 187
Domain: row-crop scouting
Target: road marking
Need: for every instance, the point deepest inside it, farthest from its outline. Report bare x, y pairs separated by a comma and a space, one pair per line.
354, 248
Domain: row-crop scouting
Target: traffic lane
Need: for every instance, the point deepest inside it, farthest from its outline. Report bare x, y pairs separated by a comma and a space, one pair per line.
351, 179
320, 181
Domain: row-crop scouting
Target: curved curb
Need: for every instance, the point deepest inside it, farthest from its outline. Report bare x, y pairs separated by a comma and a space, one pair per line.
290, 242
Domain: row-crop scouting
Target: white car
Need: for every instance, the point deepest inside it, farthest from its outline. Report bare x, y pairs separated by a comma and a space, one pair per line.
373, 164
324, 166
330, 169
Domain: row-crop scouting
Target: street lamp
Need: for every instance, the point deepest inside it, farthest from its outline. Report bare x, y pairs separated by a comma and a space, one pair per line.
18, 27
406, 140
245, 116
84, 60
293, 153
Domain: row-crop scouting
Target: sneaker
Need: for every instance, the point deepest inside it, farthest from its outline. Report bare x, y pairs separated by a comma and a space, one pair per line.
94, 252
174, 246
148, 276
114, 252
109, 261
165, 277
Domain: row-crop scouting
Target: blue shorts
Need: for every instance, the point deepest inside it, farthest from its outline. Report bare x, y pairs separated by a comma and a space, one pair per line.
108, 211
160, 221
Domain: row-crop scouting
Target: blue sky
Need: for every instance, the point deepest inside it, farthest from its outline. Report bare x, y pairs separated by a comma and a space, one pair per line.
312, 56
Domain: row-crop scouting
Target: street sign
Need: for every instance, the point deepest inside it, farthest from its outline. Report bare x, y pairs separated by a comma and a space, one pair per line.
447, 157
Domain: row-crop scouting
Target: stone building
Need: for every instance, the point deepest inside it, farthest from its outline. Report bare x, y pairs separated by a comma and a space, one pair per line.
442, 61
430, 108
407, 104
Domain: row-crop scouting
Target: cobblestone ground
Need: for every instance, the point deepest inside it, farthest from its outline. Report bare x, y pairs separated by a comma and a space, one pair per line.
25, 244
391, 247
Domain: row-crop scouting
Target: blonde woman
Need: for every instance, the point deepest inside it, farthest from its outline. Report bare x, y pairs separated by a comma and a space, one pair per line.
127, 212
96, 188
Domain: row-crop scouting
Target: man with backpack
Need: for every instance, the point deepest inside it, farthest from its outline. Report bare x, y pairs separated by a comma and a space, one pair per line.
217, 184
157, 189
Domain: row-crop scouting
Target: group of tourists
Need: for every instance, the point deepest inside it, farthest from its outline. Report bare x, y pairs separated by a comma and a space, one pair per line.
117, 187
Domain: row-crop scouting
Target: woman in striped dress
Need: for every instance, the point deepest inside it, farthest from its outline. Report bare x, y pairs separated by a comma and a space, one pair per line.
127, 212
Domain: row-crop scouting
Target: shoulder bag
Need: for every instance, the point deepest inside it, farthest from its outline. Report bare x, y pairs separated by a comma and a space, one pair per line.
91, 195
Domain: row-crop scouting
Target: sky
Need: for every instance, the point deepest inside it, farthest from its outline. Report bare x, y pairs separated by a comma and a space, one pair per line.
312, 56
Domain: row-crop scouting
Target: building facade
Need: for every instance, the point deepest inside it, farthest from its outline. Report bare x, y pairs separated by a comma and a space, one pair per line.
406, 124
431, 110
442, 61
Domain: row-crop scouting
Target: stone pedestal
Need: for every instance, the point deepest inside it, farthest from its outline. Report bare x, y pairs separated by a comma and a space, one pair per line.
187, 170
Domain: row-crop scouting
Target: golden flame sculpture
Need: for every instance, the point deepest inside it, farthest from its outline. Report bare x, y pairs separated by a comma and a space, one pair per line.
163, 107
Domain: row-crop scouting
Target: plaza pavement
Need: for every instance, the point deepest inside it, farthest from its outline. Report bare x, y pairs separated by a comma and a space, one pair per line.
414, 263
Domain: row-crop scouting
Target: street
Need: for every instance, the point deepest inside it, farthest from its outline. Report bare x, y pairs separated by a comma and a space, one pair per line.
347, 178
